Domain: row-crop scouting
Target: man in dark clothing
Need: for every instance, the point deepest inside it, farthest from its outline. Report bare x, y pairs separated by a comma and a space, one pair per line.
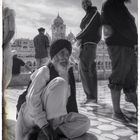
41, 43
121, 38
89, 37
17, 63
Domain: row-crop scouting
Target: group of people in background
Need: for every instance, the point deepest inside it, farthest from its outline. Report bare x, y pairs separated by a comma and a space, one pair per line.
50, 110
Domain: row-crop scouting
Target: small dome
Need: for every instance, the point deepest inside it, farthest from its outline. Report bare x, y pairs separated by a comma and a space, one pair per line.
58, 20
71, 35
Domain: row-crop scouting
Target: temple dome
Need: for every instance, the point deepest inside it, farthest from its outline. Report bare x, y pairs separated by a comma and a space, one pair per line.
58, 20
71, 35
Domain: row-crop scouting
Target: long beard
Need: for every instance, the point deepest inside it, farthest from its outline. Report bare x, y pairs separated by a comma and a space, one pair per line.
62, 67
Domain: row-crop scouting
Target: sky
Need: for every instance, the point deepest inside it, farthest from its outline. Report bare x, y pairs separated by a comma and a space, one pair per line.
32, 14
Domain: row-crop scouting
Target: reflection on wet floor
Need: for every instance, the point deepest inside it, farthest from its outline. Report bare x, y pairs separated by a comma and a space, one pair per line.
103, 124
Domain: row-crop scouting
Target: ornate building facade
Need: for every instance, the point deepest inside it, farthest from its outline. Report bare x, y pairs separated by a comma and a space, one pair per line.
58, 29
26, 51
103, 62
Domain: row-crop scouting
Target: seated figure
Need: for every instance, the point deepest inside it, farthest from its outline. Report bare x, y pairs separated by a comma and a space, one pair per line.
50, 107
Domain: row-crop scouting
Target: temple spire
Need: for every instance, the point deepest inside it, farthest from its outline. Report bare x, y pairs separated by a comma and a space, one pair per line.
58, 14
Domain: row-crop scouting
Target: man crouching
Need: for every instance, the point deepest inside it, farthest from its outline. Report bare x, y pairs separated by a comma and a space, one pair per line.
51, 100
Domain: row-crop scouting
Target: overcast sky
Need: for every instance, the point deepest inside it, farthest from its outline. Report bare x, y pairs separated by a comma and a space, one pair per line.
32, 14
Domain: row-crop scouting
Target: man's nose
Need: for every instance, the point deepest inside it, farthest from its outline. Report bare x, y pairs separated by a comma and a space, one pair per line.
65, 55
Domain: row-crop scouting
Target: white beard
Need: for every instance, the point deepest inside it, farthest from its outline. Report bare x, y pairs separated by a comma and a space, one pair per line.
61, 69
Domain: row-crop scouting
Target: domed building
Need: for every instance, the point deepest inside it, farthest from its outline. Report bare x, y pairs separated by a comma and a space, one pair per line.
58, 29
71, 37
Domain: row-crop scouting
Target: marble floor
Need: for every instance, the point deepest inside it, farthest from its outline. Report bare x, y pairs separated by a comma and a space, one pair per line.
103, 125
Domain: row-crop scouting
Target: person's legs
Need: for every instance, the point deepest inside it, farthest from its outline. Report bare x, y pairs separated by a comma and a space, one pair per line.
130, 85
54, 102
115, 94
134, 99
93, 73
72, 125
120, 67
55, 98
88, 71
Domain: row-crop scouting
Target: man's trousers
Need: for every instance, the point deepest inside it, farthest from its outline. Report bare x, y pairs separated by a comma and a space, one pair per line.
54, 100
88, 71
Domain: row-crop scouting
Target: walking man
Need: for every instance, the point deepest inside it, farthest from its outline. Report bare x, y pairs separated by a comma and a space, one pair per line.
41, 44
88, 38
121, 37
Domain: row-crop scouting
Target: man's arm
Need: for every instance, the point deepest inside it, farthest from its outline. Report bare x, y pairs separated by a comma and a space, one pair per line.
34, 96
47, 45
88, 26
47, 42
35, 41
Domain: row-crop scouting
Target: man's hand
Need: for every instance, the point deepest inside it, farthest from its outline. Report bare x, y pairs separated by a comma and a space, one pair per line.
78, 43
49, 132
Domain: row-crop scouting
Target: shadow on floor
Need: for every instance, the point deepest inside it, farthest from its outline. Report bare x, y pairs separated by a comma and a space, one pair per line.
11, 132
105, 111
87, 136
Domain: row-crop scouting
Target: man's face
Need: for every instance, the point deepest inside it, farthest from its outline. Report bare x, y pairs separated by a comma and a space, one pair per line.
86, 3
43, 31
61, 59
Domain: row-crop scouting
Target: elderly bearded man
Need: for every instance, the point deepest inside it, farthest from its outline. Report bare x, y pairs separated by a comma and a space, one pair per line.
52, 107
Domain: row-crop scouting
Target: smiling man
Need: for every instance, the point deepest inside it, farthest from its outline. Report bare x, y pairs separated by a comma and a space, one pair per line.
51, 100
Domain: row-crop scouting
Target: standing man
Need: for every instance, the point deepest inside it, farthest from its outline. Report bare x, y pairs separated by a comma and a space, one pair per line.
121, 37
41, 43
88, 38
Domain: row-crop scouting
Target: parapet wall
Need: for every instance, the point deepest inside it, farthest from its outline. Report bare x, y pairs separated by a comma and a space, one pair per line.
20, 80
24, 78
